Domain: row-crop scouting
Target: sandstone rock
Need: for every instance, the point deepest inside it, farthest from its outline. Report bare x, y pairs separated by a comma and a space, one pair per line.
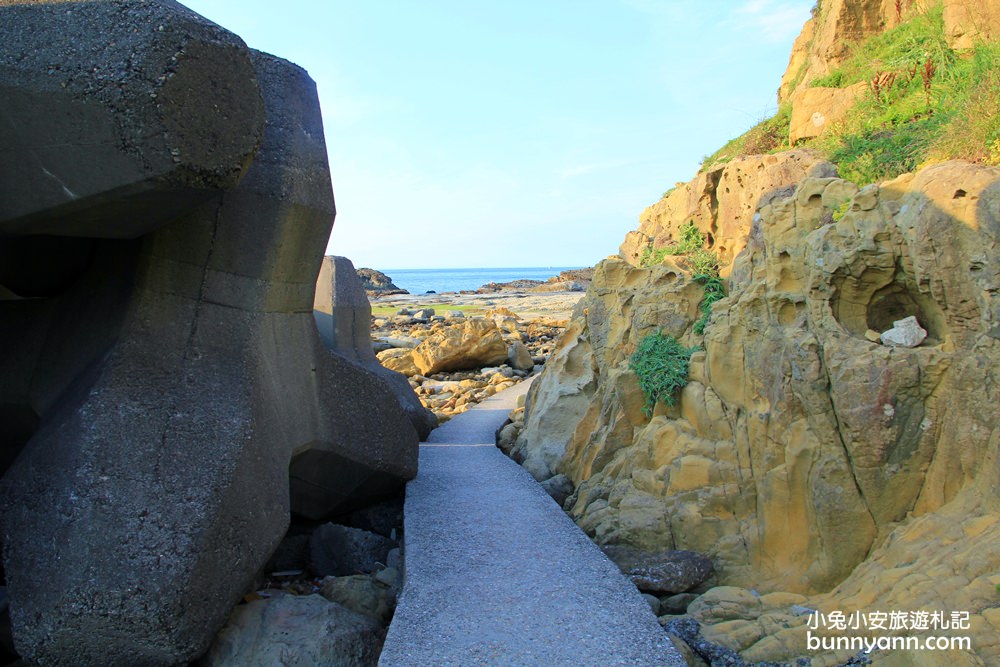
296, 630
168, 394
720, 202
906, 332
826, 39
473, 343
802, 457
340, 550
399, 359
361, 594
967, 22
663, 572
343, 316
814, 110
519, 357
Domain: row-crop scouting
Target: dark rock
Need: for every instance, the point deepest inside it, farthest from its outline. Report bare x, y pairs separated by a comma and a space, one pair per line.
169, 386
661, 572
376, 283
296, 630
559, 487
339, 550
361, 594
676, 604
381, 518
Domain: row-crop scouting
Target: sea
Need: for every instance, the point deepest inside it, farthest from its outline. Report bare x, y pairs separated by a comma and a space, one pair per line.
421, 281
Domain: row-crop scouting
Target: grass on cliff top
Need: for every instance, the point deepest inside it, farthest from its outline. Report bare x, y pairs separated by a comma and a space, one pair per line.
925, 102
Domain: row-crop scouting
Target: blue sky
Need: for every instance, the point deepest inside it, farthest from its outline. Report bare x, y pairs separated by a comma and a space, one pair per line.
514, 132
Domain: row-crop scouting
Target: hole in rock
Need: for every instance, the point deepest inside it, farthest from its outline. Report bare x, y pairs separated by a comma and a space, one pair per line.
875, 301
959, 194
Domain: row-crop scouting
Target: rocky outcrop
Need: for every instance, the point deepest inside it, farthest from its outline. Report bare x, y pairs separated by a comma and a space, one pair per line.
473, 343
816, 110
721, 202
802, 456
166, 397
826, 39
376, 283
343, 316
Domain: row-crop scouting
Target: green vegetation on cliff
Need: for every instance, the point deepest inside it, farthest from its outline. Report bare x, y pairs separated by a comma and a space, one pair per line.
924, 102
661, 364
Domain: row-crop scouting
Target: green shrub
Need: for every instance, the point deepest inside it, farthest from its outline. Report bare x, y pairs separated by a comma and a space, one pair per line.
691, 241
661, 364
715, 289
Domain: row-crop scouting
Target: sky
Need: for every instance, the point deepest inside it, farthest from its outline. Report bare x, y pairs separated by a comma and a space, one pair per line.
475, 133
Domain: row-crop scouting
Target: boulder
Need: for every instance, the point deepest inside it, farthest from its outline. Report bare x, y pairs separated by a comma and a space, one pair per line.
343, 316
519, 357
906, 332
560, 487
473, 343
296, 630
399, 360
815, 110
362, 594
168, 399
340, 550
661, 572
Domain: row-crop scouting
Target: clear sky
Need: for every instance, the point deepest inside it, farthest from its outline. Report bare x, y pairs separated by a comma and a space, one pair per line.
475, 133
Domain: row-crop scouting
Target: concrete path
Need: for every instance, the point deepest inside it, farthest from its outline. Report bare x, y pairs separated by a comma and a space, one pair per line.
497, 574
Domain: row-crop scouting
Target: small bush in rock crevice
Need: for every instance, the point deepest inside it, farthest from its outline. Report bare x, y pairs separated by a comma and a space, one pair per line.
661, 364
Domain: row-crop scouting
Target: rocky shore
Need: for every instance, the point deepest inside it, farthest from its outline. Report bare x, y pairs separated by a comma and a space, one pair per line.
459, 349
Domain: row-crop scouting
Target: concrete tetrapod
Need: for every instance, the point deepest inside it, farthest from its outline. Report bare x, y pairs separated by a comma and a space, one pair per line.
161, 390
497, 574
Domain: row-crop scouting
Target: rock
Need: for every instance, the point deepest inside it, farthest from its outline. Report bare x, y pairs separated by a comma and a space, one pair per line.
399, 359
471, 344
560, 487
382, 518
814, 110
677, 604
296, 630
172, 400
560, 286
361, 594
343, 316
454, 314
967, 22
407, 342
376, 283
519, 357
424, 314
906, 332
801, 457
339, 550
721, 201
826, 39
663, 572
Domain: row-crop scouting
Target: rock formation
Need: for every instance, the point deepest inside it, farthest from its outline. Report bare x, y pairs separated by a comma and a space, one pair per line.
166, 395
376, 283
802, 455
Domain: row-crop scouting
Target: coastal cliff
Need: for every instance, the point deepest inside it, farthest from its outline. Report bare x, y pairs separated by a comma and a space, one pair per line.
818, 460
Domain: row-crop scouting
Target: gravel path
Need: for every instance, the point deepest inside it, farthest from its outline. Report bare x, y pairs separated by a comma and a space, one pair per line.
497, 574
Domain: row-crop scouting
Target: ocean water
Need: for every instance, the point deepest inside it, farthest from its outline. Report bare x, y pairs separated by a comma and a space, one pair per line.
421, 281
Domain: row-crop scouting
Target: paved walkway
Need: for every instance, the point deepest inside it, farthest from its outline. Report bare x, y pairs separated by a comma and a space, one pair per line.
497, 574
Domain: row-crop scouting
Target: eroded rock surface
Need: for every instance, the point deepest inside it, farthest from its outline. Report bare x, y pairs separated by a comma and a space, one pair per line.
802, 456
